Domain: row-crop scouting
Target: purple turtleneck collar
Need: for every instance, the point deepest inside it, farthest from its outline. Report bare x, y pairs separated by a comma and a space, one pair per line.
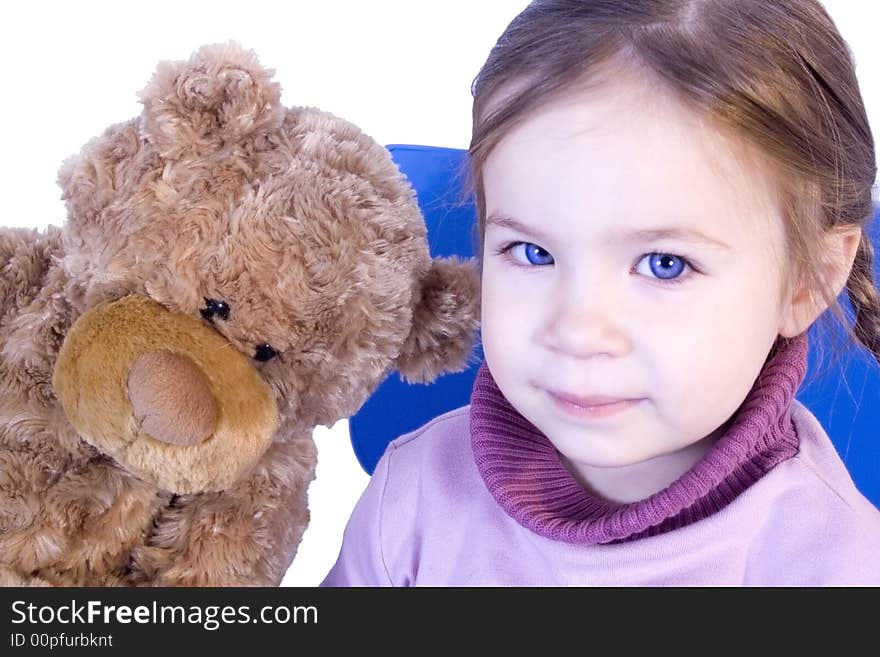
522, 469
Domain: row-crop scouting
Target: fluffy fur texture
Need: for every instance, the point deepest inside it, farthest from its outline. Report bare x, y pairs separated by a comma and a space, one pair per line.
296, 221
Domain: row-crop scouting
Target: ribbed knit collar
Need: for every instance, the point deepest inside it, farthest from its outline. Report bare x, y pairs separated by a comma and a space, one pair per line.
522, 469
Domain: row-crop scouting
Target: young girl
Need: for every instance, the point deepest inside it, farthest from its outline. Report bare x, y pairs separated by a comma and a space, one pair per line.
670, 193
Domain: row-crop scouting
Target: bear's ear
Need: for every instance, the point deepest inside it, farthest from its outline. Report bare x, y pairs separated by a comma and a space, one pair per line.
445, 322
220, 96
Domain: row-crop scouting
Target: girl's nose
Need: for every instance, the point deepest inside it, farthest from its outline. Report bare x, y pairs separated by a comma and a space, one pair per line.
584, 323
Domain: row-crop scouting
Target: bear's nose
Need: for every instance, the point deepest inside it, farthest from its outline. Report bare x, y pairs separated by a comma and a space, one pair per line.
171, 398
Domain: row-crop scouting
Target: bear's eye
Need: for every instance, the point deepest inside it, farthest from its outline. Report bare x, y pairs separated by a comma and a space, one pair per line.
265, 352
215, 307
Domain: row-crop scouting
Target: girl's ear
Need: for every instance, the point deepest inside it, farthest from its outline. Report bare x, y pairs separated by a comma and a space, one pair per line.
445, 321
806, 303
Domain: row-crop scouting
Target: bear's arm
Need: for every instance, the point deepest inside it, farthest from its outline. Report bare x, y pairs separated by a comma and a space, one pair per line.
26, 255
244, 536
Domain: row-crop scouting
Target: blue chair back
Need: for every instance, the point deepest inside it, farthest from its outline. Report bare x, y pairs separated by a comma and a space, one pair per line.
844, 395
395, 407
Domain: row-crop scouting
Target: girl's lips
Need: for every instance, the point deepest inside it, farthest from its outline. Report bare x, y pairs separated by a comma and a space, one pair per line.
592, 407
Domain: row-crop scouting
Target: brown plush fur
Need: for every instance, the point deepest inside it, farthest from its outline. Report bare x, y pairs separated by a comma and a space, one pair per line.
296, 220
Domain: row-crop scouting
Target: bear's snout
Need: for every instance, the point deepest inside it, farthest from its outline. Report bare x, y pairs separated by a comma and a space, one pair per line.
164, 395
171, 398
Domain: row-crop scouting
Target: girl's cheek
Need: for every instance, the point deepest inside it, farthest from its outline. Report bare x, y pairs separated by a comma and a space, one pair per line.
495, 283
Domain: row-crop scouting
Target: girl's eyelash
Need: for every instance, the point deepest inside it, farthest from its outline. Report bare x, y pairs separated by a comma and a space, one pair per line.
508, 246
689, 269
505, 249
678, 280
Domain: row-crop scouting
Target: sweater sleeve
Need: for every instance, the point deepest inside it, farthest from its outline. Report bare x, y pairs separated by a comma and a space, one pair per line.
361, 561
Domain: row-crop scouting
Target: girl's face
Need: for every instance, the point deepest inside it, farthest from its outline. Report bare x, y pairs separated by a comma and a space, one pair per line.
630, 252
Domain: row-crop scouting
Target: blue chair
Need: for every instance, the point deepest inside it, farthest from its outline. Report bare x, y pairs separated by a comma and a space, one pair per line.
844, 395
437, 175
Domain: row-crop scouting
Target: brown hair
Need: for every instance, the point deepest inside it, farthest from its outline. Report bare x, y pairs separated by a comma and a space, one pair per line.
777, 75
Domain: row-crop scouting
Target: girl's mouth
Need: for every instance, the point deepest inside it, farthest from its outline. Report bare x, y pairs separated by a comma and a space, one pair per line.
590, 408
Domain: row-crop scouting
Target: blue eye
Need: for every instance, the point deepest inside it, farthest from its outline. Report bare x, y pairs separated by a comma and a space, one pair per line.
665, 266
526, 253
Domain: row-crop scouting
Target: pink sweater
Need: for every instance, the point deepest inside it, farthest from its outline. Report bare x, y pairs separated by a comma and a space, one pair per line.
428, 518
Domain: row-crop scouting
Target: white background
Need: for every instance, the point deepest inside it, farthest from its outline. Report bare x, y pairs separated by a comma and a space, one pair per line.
401, 70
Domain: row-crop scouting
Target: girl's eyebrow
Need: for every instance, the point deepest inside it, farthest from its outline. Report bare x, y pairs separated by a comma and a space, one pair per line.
504, 221
672, 232
640, 235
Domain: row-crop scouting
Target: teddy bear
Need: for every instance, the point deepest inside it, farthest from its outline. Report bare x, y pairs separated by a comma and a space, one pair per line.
231, 273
